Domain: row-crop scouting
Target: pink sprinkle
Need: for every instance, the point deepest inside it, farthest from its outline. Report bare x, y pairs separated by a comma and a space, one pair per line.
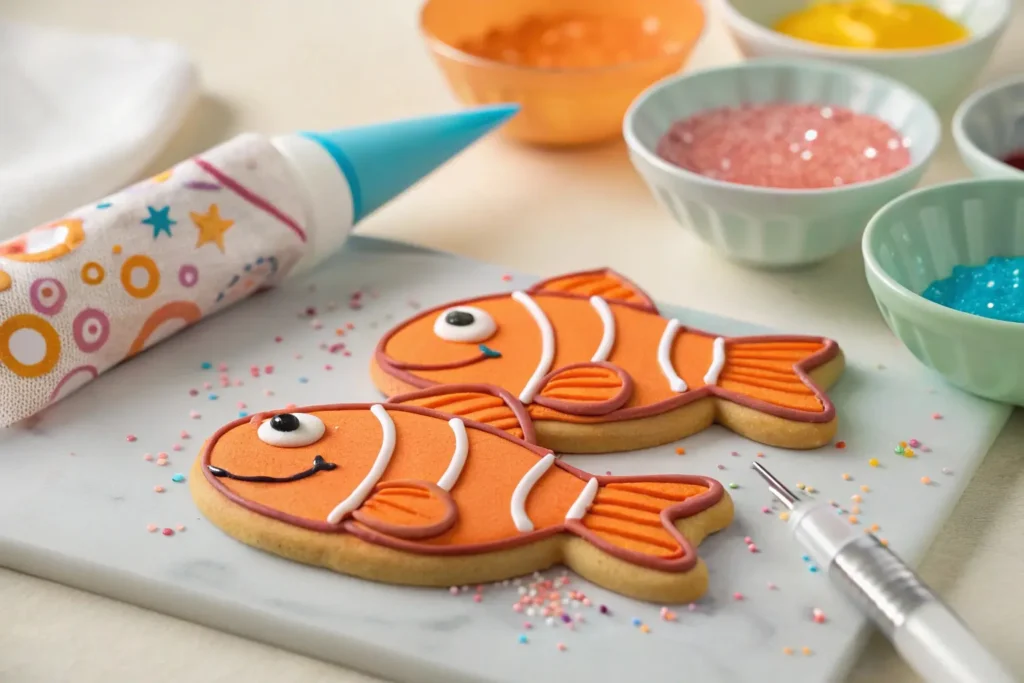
752, 548
926, 449
518, 607
223, 367
148, 457
207, 386
735, 454
238, 382
161, 455
506, 277
914, 443
586, 602
194, 414
818, 616
151, 528
527, 625
801, 146
766, 510
270, 368
176, 447
254, 371
193, 392
131, 438
721, 467
772, 586
162, 462
346, 353
454, 590
223, 377
561, 647
279, 339
692, 607
737, 596
159, 489
185, 435
168, 532
748, 540
350, 326
478, 598
268, 392
241, 405
317, 325
328, 367
936, 416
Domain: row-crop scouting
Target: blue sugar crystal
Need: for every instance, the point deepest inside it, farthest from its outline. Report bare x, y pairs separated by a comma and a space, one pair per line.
993, 290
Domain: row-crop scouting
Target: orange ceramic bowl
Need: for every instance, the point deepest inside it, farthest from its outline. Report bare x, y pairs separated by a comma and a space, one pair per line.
560, 105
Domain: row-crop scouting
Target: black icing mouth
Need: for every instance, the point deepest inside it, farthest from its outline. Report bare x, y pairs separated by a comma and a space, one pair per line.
319, 465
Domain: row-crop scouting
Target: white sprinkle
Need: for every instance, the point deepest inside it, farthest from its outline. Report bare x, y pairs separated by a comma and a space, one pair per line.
726, 164
806, 155
906, 142
826, 112
550, 621
794, 148
871, 152
893, 144
811, 135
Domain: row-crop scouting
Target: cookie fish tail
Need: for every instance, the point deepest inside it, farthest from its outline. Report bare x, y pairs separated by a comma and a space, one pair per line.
635, 518
773, 369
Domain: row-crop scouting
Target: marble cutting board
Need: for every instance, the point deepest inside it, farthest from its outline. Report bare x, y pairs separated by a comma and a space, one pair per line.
76, 498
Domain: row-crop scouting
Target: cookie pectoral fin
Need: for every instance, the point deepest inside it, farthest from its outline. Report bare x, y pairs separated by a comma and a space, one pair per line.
410, 510
586, 389
636, 519
604, 282
482, 403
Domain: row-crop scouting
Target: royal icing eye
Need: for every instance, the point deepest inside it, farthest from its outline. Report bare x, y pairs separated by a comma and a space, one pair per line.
464, 324
291, 430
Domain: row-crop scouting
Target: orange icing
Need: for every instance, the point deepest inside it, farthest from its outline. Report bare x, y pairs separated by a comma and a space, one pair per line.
573, 40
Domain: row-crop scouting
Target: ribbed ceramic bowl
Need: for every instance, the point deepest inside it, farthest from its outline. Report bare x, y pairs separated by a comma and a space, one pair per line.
918, 239
989, 126
941, 74
765, 226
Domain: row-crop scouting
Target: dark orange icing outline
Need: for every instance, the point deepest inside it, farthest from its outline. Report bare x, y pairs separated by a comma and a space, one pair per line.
401, 371
687, 508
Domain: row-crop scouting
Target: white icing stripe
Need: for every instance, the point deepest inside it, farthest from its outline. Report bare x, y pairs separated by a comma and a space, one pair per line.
604, 349
458, 461
547, 350
717, 361
586, 497
523, 488
362, 492
665, 357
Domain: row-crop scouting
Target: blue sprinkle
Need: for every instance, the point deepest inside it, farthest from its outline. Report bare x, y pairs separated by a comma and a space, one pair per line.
104, 205
636, 621
206, 365
303, 380
248, 267
992, 290
259, 261
212, 397
805, 558
813, 569
242, 413
522, 638
178, 478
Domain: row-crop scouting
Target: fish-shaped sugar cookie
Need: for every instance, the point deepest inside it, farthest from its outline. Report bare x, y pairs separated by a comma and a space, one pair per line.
405, 494
599, 369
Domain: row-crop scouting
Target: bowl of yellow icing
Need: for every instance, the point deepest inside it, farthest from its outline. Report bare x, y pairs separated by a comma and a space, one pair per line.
937, 47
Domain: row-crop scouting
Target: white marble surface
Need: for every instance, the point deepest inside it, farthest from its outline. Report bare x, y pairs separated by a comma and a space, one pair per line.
280, 66
76, 496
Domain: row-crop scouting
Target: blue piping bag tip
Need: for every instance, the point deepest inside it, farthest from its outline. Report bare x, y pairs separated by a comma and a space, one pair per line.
381, 161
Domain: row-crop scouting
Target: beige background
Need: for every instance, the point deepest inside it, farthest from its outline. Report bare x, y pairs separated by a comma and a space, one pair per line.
274, 66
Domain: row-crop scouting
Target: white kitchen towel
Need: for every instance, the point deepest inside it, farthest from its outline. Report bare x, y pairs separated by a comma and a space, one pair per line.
80, 116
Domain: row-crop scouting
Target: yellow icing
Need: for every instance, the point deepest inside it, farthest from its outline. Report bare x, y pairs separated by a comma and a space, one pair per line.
872, 25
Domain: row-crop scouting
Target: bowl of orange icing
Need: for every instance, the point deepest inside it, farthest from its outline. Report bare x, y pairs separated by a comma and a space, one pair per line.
573, 66
937, 47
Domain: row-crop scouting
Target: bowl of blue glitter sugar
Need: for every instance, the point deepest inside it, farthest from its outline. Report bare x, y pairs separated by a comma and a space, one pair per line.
946, 267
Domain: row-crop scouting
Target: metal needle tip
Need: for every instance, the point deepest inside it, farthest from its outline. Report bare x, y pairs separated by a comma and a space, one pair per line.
778, 489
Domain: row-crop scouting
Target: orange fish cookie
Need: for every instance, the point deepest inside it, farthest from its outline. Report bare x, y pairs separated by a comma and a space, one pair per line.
405, 494
599, 370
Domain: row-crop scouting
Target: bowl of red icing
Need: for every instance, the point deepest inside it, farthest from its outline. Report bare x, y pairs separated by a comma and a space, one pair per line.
780, 163
988, 128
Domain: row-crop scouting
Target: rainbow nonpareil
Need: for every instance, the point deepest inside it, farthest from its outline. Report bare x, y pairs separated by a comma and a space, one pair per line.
112, 278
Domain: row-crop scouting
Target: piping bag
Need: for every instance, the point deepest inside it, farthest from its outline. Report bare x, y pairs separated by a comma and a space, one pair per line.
97, 286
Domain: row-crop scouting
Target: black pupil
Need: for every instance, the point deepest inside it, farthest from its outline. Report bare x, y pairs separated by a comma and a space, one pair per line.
459, 318
285, 422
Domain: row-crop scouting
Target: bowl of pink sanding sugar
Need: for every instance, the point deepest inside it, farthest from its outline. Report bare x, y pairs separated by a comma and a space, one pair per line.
780, 162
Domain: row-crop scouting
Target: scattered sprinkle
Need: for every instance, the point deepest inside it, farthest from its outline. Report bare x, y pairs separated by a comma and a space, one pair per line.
148, 457
800, 485
561, 647
914, 443
177, 447
193, 392
644, 628
206, 365
680, 450
766, 510
787, 650
855, 510
194, 414
733, 485
883, 541
926, 480
185, 435
303, 380
899, 450
151, 528
874, 528
159, 489
873, 462
853, 519
946, 470
908, 452
840, 444
737, 596
936, 416
478, 598
846, 477
167, 532
603, 609
636, 621
784, 516
131, 438
180, 527
865, 488
178, 478
772, 586
818, 616
806, 651
523, 639
506, 278
813, 569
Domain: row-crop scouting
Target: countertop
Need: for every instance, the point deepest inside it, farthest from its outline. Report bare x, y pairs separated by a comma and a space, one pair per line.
274, 67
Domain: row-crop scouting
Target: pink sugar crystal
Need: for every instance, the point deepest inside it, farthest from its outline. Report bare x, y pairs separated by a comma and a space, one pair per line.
790, 146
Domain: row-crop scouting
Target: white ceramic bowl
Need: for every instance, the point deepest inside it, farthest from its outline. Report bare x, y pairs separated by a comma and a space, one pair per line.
989, 126
940, 74
771, 227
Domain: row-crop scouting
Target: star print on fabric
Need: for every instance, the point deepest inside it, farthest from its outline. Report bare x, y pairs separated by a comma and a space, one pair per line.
161, 221
211, 227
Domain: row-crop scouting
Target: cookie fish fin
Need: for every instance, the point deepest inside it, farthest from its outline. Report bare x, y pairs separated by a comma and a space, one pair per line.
774, 370
605, 283
411, 510
635, 518
586, 389
484, 403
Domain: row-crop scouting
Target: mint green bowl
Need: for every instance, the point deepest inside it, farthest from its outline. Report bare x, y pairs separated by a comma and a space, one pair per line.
918, 238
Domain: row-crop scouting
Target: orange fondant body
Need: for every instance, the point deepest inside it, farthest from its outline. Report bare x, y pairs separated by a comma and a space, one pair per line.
765, 372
